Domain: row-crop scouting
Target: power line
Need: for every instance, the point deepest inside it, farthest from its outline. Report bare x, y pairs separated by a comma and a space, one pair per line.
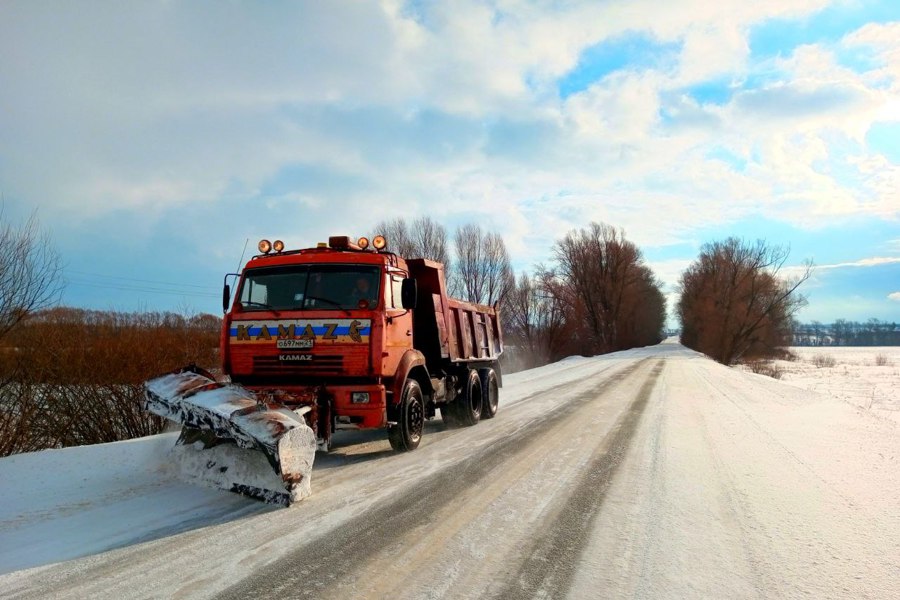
135, 288
117, 277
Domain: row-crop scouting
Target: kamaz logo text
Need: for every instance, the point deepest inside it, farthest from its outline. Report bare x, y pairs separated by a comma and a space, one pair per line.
249, 332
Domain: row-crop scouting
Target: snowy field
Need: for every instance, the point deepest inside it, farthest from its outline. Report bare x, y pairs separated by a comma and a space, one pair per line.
866, 377
652, 473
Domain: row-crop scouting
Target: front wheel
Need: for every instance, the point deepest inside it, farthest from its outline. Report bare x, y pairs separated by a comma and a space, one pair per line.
407, 433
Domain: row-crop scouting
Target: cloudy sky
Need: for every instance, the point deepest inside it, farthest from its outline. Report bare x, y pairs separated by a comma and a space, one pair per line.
153, 138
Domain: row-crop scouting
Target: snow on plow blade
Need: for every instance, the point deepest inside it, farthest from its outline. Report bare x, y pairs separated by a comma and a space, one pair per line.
231, 440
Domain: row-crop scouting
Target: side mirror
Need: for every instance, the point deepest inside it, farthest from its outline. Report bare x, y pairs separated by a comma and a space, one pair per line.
226, 296
409, 294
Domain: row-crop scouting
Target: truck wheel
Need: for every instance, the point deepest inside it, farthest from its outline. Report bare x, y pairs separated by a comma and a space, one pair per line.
490, 391
407, 433
470, 404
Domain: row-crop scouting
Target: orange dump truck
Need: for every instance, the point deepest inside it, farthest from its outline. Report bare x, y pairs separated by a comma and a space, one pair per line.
346, 335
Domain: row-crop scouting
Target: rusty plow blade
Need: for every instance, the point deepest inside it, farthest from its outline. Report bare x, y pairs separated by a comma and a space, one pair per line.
231, 440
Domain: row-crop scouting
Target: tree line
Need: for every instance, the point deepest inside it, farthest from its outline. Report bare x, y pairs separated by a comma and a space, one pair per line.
597, 295
70, 377
847, 333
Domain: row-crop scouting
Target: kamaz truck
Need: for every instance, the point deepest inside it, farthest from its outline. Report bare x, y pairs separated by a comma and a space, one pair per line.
344, 335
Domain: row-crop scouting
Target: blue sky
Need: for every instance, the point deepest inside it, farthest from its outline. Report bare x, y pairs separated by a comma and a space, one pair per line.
154, 139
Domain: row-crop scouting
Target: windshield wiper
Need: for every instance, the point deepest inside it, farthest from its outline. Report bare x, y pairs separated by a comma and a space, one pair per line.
327, 301
259, 304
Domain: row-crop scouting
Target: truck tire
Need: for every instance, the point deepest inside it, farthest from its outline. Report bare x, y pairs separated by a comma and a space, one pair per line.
407, 433
490, 392
470, 404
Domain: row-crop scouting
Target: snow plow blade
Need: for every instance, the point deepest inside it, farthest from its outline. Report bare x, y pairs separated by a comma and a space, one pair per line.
233, 441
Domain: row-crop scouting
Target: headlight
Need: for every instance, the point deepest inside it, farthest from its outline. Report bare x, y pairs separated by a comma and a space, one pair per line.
359, 398
278, 245
363, 242
379, 242
265, 246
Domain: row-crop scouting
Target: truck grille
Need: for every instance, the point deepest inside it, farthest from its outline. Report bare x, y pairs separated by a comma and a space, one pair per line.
320, 364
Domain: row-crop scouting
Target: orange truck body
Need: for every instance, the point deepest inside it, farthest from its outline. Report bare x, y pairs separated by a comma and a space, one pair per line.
350, 361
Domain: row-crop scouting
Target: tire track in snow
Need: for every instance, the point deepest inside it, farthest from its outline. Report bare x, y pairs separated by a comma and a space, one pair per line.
318, 569
552, 559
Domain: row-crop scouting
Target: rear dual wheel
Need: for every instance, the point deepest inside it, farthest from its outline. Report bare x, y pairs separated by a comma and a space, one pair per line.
407, 433
490, 391
467, 409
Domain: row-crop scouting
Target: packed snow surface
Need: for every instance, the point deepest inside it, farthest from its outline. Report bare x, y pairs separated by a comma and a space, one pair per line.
867, 377
652, 473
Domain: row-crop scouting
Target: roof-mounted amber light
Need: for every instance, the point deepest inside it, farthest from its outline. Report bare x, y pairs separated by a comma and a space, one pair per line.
278, 246
265, 246
363, 242
379, 242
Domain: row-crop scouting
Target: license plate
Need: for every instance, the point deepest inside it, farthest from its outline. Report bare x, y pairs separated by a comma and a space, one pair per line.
290, 358
294, 344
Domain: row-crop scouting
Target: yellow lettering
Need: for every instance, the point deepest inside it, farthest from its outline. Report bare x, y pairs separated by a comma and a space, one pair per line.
287, 332
308, 333
329, 331
263, 333
354, 331
242, 332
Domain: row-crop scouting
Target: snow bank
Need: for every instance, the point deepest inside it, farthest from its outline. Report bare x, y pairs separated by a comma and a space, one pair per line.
62, 504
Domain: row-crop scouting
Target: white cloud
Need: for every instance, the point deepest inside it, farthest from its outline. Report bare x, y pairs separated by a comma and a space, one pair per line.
669, 271
712, 50
875, 261
894, 296
884, 40
332, 116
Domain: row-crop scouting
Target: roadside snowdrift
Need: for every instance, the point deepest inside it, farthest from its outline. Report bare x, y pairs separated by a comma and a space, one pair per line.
62, 504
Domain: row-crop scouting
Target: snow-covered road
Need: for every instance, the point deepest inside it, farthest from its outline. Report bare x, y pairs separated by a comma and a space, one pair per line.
649, 473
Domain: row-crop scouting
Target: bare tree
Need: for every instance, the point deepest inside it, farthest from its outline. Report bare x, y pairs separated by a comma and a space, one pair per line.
429, 240
734, 306
483, 272
499, 278
30, 272
535, 320
397, 233
606, 276
424, 238
468, 277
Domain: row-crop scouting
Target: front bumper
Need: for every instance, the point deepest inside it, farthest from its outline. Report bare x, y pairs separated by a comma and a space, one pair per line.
348, 415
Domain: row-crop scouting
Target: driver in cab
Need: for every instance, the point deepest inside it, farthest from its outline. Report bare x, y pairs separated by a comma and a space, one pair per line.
363, 295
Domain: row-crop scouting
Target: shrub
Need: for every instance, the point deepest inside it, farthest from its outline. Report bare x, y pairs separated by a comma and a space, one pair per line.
762, 367
823, 360
75, 377
785, 354
882, 360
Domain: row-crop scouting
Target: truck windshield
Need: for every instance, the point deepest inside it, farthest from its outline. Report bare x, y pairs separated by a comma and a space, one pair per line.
307, 287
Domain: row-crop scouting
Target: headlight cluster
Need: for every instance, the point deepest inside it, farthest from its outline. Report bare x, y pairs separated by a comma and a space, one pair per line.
378, 242
265, 246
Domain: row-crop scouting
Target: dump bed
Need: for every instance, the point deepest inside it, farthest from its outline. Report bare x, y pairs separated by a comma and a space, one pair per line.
447, 329
474, 332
